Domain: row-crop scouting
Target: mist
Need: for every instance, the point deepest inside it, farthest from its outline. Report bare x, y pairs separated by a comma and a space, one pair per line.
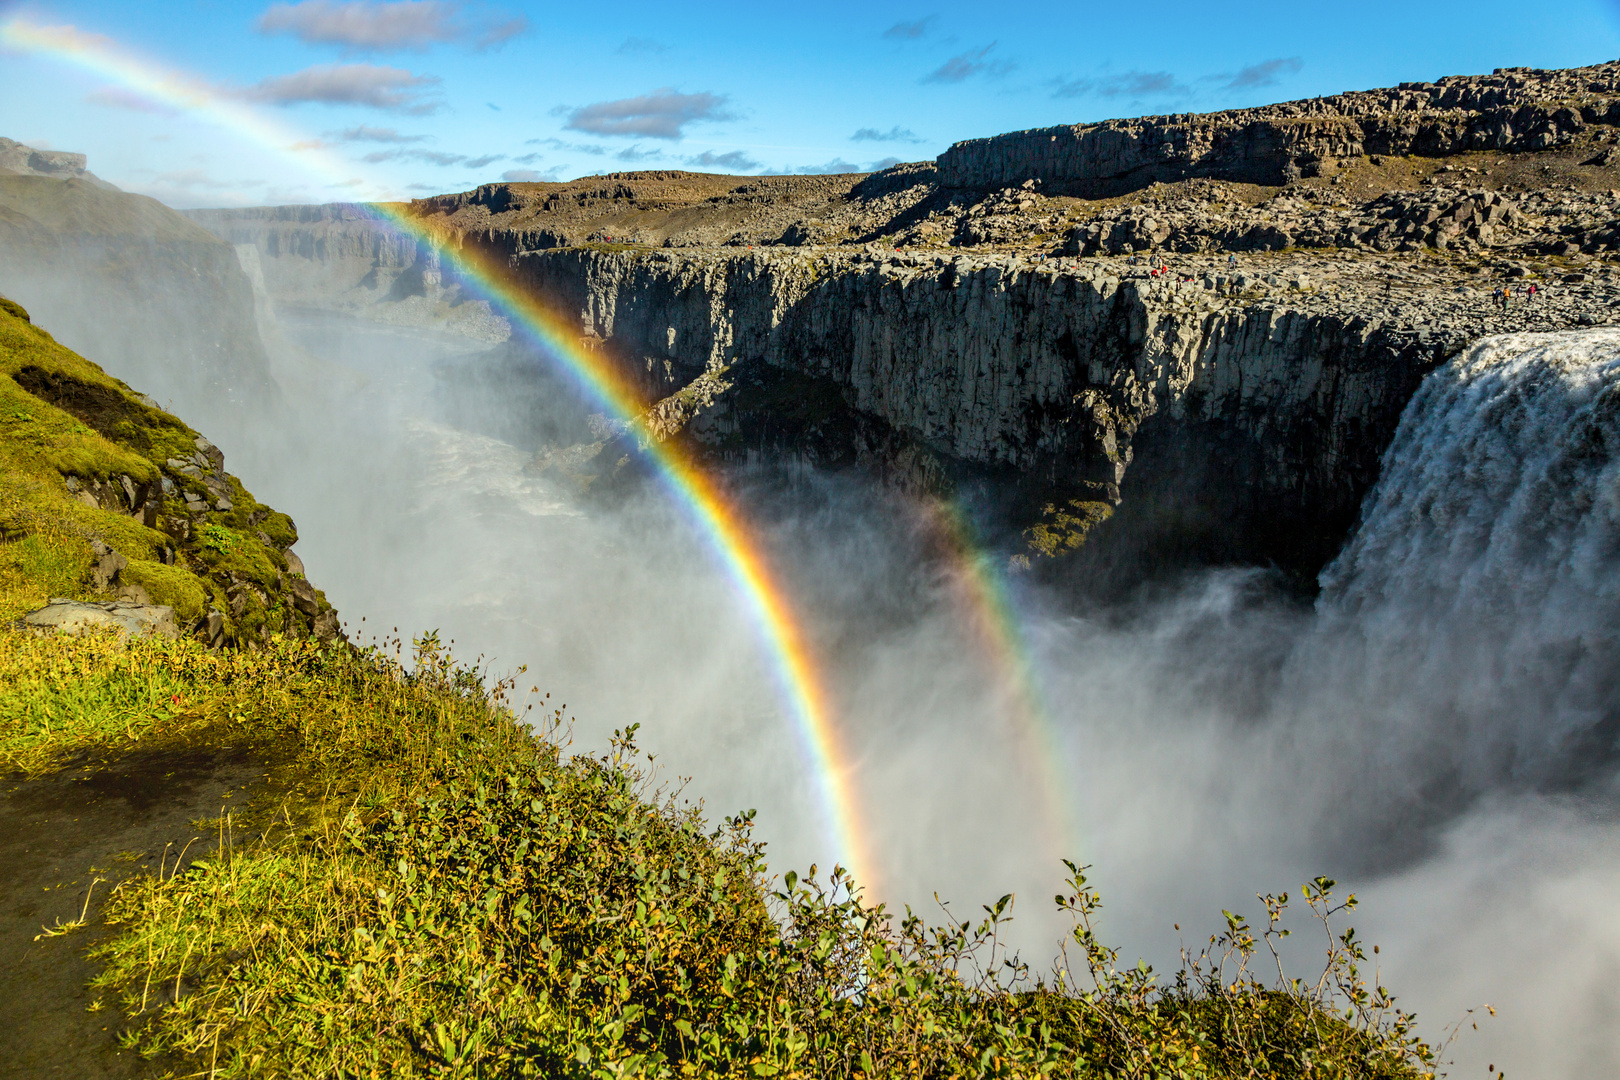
1436, 732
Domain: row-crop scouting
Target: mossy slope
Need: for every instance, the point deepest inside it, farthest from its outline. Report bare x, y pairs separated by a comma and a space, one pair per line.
85, 460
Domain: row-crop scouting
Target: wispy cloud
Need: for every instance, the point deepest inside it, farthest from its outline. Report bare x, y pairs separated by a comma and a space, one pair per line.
966, 65
883, 163
117, 97
527, 176
1127, 84
894, 134
1265, 73
364, 133
636, 153
388, 25
910, 31
432, 157
480, 162
731, 159
560, 144
637, 46
836, 165
350, 84
662, 114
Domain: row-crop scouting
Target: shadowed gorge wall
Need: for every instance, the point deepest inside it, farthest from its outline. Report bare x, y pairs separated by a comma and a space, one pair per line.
157, 300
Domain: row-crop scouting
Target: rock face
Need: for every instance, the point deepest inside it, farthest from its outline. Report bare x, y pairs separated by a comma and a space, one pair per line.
58, 164
1513, 109
1051, 381
343, 257
120, 277
144, 504
74, 617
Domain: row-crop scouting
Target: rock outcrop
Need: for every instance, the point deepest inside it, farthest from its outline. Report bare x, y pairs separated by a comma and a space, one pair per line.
20, 160
1513, 109
73, 617
116, 503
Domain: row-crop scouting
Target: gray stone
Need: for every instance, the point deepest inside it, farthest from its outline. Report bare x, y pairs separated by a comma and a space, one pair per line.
74, 617
303, 596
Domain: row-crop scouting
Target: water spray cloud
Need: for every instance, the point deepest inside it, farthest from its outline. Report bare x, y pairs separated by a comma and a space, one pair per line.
738, 550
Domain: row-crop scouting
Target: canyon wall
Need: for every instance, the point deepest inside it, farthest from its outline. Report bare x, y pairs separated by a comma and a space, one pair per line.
347, 257
121, 278
1513, 109
1225, 427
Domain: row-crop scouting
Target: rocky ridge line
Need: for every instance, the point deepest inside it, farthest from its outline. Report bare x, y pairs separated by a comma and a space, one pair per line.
1512, 109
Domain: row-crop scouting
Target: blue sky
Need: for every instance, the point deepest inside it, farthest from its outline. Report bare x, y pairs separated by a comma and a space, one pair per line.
425, 96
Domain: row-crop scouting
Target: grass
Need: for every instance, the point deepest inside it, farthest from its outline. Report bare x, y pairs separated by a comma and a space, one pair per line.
436, 890
431, 885
65, 422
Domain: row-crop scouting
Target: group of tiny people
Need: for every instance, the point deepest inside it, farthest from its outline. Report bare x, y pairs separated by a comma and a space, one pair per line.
1506, 294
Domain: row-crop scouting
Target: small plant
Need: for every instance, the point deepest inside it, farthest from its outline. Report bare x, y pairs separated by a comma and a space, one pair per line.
218, 539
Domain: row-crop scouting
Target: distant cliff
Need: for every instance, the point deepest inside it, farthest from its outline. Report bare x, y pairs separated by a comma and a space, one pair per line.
347, 257
1514, 109
155, 299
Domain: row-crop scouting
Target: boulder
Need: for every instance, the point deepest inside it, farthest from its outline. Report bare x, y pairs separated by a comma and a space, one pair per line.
74, 617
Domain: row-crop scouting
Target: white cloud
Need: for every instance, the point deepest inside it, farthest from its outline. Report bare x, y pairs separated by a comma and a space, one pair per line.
965, 65
894, 134
384, 25
349, 84
662, 114
363, 133
732, 159
1126, 84
910, 31
636, 45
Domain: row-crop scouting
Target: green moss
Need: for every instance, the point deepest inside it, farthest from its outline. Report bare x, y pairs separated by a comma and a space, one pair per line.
63, 419
1064, 529
171, 585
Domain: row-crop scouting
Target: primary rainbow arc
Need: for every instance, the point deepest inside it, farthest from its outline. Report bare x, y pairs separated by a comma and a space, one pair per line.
739, 551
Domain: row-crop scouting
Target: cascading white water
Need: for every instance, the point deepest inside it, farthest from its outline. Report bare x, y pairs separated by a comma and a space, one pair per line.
1479, 598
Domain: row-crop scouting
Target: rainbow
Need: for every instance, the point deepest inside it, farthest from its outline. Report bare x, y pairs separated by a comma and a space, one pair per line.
982, 588
739, 551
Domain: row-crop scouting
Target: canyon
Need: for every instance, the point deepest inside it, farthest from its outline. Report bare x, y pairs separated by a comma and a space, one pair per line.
1192, 335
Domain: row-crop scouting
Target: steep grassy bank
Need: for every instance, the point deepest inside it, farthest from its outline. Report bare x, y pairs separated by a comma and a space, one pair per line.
105, 496
429, 884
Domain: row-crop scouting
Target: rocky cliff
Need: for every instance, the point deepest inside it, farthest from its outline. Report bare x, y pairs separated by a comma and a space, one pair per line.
115, 513
1230, 416
346, 257
1205, 367
158, 300
1513, 109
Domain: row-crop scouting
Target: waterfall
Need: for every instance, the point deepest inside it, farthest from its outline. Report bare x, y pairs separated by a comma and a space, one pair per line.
1475, 612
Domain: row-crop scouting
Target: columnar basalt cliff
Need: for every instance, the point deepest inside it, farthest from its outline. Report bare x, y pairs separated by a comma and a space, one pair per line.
1032, 381
1514, 109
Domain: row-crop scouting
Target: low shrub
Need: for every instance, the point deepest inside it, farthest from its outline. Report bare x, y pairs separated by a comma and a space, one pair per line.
435, 890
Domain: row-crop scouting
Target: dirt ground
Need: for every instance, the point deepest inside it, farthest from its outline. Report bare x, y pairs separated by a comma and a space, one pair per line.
93, 819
